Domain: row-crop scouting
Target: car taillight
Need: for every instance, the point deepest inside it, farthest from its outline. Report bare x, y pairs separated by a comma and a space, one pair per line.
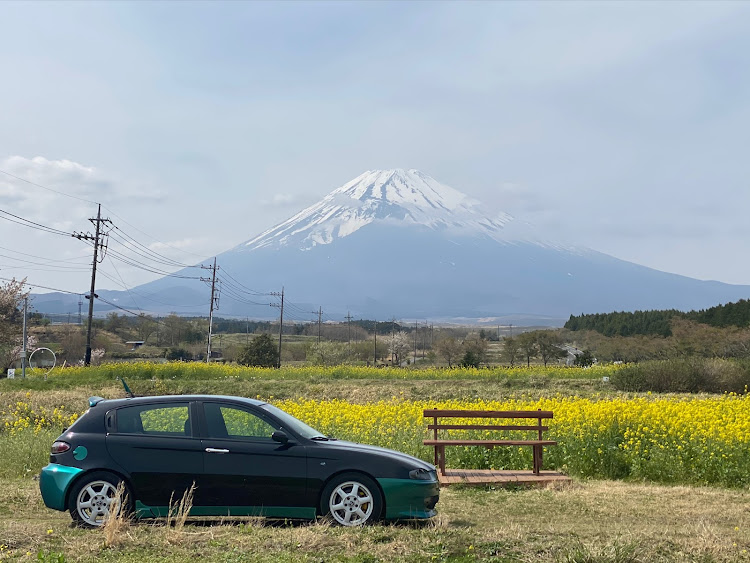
60, 447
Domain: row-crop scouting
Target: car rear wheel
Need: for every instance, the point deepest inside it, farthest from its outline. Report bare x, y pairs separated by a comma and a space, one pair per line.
94, 498
352, 499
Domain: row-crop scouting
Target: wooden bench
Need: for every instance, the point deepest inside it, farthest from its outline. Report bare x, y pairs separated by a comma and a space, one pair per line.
439, 444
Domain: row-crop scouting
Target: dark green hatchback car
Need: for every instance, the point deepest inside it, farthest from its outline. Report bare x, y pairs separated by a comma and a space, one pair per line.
243, 457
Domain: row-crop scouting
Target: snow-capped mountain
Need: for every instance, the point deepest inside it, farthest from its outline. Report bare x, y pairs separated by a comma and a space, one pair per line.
404, 197
399, 244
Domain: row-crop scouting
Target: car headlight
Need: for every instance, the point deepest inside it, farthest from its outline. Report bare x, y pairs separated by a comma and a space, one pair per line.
423, 474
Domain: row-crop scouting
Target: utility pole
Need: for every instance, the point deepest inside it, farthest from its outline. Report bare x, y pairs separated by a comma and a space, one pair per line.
80, 303
424, 339
375, 351
214, 304
415, 342
25, 313
319, 312
281, 319
349, 338
247, 331
97, 245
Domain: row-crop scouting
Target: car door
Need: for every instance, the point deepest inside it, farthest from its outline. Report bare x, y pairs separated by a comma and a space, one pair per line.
245, 467
154, 443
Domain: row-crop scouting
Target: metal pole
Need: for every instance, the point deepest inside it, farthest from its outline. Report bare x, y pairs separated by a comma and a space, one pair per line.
281, 323
23, 358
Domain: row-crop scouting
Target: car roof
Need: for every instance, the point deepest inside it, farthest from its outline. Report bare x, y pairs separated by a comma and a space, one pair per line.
112, 403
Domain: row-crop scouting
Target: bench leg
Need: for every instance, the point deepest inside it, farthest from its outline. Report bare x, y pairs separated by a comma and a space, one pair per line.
441, 459
537, 459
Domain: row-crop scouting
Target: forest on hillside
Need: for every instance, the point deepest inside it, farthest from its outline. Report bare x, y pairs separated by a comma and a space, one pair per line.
659, 323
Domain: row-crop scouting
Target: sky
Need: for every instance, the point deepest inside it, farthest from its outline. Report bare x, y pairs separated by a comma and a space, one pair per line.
622, 127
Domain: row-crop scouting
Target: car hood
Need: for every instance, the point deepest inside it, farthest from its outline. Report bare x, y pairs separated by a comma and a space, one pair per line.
403, 458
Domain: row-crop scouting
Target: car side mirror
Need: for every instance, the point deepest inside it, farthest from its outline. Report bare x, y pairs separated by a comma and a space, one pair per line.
279, 436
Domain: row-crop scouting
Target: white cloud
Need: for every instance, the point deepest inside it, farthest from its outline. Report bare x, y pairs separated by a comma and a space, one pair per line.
280, 200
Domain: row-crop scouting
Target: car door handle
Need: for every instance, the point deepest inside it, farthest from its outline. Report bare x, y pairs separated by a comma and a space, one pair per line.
216, 451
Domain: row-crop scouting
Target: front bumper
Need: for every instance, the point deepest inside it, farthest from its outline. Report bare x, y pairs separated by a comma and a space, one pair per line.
54, 482
409, 498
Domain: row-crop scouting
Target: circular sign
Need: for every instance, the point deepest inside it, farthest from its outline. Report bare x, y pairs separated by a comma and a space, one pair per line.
42, 359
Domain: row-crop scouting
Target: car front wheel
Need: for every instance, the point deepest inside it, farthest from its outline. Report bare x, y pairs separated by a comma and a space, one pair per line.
94, 498
352, 499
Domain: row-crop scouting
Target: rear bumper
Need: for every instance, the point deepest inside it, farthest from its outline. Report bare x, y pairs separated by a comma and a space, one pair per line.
54, 482
409, 498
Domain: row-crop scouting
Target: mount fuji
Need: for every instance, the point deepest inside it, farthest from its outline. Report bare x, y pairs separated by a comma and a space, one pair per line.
397, 243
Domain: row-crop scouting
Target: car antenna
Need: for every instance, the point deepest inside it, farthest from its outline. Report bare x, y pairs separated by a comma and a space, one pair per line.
127, 389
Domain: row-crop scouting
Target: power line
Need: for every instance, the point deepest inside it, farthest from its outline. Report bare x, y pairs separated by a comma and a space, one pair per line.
146, 297
32, 224
130, 262
44, 287
43, 257
245, 288
144, 251
153, 238
46, 188
33, 263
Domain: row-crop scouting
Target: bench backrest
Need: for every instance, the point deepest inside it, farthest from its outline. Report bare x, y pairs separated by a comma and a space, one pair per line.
435, 414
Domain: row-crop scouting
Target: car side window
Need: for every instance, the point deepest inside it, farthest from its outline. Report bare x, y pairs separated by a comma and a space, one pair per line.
224, 421
158, 420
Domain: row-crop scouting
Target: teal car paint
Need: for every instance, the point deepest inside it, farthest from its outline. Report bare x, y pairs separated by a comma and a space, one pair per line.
410, 498
80, 453
54, 482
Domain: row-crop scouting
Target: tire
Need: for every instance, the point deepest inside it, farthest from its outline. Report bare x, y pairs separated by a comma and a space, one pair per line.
91, 499
352, 499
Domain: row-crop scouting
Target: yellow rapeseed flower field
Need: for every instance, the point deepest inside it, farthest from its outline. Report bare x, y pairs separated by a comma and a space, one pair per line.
703, 440
699, 439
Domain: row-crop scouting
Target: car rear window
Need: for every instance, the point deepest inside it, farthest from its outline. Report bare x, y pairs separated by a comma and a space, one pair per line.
172, 419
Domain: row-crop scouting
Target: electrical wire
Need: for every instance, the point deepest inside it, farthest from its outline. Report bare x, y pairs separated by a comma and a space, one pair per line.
45, 287
145, 252
46, 188
142, 296
127, 260
151, 237
33, 224
245, 288
44, 257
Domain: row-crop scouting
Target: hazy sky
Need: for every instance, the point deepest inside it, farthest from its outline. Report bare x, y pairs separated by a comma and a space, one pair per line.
624, 127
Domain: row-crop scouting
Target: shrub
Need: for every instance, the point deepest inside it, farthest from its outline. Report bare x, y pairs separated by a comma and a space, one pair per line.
692, 375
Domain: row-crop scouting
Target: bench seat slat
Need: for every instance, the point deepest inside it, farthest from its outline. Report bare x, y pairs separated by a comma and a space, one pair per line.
431, 413
489, 443
483, 427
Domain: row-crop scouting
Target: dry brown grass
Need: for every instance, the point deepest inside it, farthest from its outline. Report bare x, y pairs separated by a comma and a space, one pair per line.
117, 523
589, 521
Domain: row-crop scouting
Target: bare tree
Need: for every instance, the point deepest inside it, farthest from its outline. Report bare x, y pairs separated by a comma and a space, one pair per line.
450, 349
511, 350
528, 346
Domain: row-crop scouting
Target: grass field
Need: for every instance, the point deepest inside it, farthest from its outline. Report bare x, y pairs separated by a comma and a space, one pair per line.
592, 520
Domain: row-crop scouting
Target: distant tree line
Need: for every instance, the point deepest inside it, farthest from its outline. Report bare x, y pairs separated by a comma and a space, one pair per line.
659, 323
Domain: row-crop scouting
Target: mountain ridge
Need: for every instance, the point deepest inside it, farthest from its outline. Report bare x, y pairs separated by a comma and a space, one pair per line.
399, 244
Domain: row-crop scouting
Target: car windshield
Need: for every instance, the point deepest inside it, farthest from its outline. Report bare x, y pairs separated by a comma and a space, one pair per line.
294, 424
